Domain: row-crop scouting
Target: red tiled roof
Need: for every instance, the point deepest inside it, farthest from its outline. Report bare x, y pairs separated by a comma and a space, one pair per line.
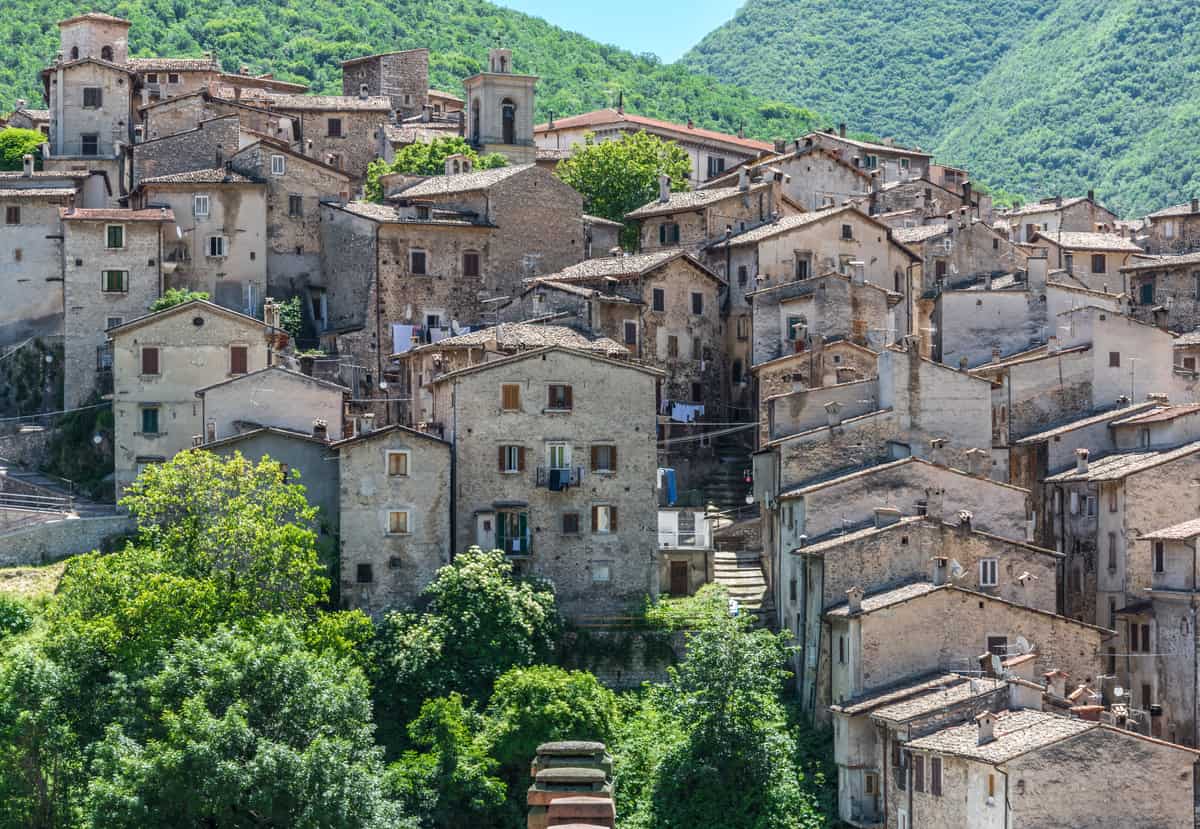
116, 214
601, 117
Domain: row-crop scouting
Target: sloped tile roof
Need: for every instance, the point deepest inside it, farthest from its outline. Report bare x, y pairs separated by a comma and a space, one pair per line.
511, 336
1119, 465
462, 182
36, 192
1082, 423
173, 65
1176, 532
327, 103
614, 117
691, 200
217, 176
1092, 241
938, 698
1158, 263
116, 214
887, 598
1184, 209
1015, 733
1042, 207
912, 235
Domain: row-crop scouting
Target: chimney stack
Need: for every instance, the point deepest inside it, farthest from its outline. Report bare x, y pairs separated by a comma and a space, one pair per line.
1051, 344
21, 103
320, 429
996, 354
780, 146
964, 521
664, 188
691, 125
833, 413
941, 570
621, 102
987, 725
937, 451
1056, 683
1091, 195
1081, 461
743, 179
860, 272
368, 423
27, 160
854, 597
842, 130
1195, 205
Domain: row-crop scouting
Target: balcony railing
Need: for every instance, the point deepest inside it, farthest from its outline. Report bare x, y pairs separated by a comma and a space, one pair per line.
516, 546
559, 479
684, 529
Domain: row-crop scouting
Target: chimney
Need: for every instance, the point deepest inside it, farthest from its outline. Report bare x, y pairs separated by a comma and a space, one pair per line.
860, 272
1081, 461
941, 570
1122, 401
550, 123
368, 423
1056, 683
833, 413
1052, 344
996, 354
690, 124
621, 102
426, 113
978, 462
780, 146
937, 451
963, 363
886, 517
1030, 527
21, 103
664, 188
842, 130
854, 597
964, 522
966, 191
743, 179
1160, 318
741, 133
1195, 205
320, 429
271, 312
1158, 397
987, 724
306, 364
1058, 201
27, 159
1091, 195
245, 70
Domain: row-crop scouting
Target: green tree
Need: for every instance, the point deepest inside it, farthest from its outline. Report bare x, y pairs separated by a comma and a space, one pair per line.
617, 177
242, 730
16, 143
290, 317
176, 296
451, 781
479, 621
427, 159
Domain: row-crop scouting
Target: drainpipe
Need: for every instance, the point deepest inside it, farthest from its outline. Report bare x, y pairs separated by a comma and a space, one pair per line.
453, 468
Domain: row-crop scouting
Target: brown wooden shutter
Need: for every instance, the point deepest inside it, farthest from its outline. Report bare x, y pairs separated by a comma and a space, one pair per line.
567, 397
520, 458
149, 361
595, 458
595, 518
237, 359
500, 459
612, 457
612, 519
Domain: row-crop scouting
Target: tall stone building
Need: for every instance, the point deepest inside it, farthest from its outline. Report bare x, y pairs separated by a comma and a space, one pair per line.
500, 108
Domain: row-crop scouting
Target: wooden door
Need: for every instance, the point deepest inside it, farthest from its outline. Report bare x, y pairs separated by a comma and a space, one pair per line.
679, 578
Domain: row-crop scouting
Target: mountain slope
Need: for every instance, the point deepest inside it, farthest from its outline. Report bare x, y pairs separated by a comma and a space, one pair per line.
305, 40
1037, 98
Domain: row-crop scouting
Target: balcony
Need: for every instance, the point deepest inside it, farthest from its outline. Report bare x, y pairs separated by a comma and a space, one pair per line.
683, 530
519, 546
558, 480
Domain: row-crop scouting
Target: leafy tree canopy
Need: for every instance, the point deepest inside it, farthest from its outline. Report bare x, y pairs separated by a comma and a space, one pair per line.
16, 143
176, 296
619, 176
428, 159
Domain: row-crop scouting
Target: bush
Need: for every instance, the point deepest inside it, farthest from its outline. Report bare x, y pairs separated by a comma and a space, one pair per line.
15, 617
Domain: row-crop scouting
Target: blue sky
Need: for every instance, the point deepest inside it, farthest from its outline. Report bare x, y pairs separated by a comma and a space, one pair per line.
668, 28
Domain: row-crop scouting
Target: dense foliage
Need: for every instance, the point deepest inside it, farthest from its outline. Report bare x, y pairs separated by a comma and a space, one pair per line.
428, 158
176, 296
198, 678
305, 41
15, 144
616, 177
1035, 97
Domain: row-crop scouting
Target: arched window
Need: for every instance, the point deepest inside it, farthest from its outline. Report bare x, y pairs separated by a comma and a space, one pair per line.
106, 53
508, 115
475, 120
74, 53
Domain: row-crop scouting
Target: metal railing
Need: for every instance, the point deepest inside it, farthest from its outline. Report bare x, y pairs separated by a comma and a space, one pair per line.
572, 476
34, 503
684, 529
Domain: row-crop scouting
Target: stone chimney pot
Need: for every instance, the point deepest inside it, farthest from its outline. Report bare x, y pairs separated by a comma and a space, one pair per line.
854, 597
1081, 461
27, 161
664, 188
987, 725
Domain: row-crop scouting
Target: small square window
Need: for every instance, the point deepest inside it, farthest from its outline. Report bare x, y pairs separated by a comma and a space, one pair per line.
217, 246
987, 572
92, 97
152, 77
278, 165
200, 205
847, 231
559, 397
570, 523
114, 237
510, 397
150, 421
149, 360
416, 262
172, 78
604, 458
512, 459
89, 144
335, 127
114, 282
295, 206
601, 572
398, 522
397, 464
12, 215
364, 574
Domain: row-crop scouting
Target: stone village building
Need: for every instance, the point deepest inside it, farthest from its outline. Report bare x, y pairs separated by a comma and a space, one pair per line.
1174, 229
274, 397
1055, 215
1165, 291
1095, 260
809, 176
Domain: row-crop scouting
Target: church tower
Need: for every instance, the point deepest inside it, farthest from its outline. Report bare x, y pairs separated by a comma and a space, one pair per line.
500, 109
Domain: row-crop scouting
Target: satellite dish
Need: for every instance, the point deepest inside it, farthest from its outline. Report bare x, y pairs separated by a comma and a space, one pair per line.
1023, 645
1118, 691
956, 569
997, 668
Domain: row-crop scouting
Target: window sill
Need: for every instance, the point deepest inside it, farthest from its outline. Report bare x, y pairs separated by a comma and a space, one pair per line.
611, 473
396, 535
147, 377
511, 471
556, 411
113, 293
150, 435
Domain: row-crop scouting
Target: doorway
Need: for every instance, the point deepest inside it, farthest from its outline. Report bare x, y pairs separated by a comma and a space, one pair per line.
679, 578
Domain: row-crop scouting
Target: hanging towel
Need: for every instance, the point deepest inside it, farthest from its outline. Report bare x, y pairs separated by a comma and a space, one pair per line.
402, 338
559, 479
670, 476
436, 334
686, 412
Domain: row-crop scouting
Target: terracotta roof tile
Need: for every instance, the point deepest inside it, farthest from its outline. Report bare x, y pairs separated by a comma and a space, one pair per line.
691, 200
606, 117
461, 182
1015, 733
116, 214
217, 176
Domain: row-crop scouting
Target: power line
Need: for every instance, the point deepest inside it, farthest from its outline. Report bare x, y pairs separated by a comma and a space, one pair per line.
707, 435
60, 412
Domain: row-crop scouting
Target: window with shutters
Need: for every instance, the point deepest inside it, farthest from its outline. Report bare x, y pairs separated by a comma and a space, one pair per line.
672, 345
278, 165
697, 303
1112, 552
201, 205
918, 765
510, 397
12, 215
335, 127
114, 282
570, 523
217, 246
238, 358
149, 360
935, 776
397, 464
697, 349
743, 328
841, 650
93, 97
559, 397
398, 522
1099, 265
743, 274
899, 773
604, 519
1146, 639
150, 420
658, 299
1112, 500
114, 237
295, 206
631, 331
668, 233
471, 263
847, 231
991, 786
604, 458
512, 459
417, 262
1114, 359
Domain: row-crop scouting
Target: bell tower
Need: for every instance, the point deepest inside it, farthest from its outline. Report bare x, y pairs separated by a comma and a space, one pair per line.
500, 109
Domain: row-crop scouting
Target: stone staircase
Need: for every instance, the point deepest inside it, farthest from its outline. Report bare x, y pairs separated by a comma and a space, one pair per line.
741, 574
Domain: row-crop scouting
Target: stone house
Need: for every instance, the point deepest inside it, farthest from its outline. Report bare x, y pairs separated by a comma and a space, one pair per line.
159, 361
186, 112
205, 146
421, 366
500, 109
664, 307
219, 243
274, 396
1174, 229
1022, 769
870, 732
897, 551
111, 274
395, 502
403, 77
1055, 215
1165, 290
92, 189
697, 218
959, 250
1098, 511
710, 152
810, 177
874, 641
307, 459
1096, 260
601, 237
887, 160
31, 257
929, 200
24, 118
157, 79
343, 131
547, 474
295, 187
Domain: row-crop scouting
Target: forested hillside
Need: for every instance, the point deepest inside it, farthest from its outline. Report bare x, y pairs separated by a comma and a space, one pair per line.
1034, 97
305, 40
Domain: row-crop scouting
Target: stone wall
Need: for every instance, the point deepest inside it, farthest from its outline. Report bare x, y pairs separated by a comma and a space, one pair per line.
206, 146
621, 659
358, 145
401, 76
31, 266
52, 541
